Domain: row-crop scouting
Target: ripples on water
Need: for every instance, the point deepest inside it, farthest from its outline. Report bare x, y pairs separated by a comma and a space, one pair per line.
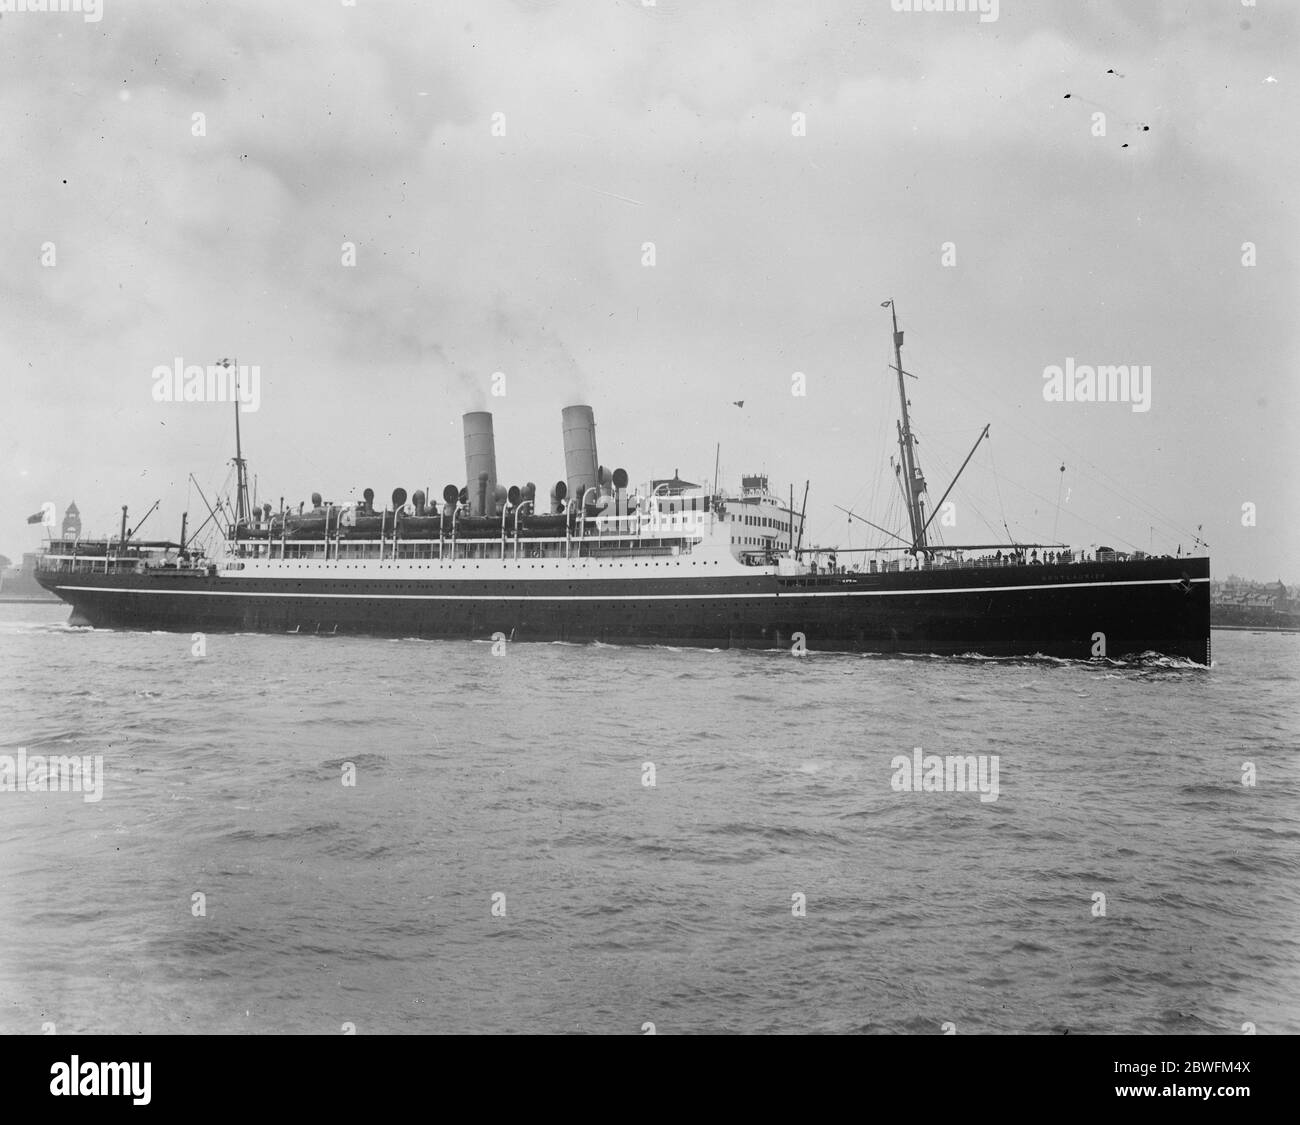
521, 775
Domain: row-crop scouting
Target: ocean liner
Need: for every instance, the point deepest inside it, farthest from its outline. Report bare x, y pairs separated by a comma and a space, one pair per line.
667, 562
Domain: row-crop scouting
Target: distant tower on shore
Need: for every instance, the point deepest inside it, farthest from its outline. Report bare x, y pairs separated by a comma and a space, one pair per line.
72, 522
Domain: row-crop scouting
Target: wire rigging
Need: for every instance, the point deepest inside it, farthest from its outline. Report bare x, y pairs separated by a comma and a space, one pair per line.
1095, 472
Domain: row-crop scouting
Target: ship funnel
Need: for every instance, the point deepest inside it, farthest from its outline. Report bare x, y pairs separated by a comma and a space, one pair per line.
580, 464
480, 462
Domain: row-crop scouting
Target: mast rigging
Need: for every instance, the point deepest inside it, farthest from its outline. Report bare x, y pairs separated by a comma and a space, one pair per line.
906, 444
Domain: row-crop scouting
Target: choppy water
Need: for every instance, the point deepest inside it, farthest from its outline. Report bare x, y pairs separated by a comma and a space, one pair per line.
522, 775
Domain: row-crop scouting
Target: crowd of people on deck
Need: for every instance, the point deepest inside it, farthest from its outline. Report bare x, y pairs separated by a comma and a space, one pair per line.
1013, 557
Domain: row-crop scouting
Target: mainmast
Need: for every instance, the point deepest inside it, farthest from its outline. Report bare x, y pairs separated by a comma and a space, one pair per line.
915, 484
241, 469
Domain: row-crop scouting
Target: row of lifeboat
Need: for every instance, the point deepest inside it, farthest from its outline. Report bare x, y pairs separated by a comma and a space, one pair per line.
419, 518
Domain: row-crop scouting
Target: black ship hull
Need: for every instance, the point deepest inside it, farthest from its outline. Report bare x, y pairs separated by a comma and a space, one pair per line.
1077, 611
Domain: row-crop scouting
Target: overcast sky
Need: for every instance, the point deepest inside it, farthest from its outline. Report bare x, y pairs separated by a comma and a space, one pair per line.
628, 123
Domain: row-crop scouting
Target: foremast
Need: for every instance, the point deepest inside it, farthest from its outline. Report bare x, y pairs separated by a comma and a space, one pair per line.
241, 467
914, 485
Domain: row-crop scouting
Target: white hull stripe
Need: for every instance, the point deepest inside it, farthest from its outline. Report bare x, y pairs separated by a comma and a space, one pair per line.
1045, 587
